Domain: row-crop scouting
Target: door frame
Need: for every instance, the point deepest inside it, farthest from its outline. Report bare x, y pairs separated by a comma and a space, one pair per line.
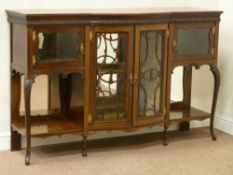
50, 64
137, 68
113, 124
194, 57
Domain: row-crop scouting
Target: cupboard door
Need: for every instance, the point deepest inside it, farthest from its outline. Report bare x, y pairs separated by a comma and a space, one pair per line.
150, 70
112, 64
58, 48
193, 41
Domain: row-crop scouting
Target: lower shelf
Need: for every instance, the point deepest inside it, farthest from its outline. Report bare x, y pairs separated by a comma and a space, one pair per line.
48, 127
187, 114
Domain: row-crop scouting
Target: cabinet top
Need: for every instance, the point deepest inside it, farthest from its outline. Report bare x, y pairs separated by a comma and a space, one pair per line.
97, 11
93, 16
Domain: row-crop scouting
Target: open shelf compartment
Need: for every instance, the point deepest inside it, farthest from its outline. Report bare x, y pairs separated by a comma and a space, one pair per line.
45, 125
180, 112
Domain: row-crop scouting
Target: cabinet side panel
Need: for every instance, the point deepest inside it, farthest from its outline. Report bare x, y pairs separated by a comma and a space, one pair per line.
19, 47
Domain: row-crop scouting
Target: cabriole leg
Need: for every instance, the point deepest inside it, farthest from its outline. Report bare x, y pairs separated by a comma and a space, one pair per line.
27, 101
216, 75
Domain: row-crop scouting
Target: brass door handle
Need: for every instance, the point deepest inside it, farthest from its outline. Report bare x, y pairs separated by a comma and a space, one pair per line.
133, 79
82, 50
33, 60
212, 52
33, 35
174, 44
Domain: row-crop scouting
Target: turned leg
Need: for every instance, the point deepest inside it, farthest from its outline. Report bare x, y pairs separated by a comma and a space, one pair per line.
187, 86
65, 88
216, 75
27, 101
15, 103
84, 146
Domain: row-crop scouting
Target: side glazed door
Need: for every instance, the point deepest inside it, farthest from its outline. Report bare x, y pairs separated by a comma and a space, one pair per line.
57, 48
149, 74
192, 42
112, 56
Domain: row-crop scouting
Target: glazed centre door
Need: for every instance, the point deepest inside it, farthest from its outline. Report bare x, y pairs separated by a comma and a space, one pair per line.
150, 73
112, 91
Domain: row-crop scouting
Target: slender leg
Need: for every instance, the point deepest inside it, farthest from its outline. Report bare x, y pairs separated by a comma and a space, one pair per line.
15, 102
84, 150
27, 101
216, 75
65, 86
187, 85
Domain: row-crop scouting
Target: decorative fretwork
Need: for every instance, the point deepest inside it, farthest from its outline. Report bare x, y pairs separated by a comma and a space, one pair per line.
150, 76
110, 96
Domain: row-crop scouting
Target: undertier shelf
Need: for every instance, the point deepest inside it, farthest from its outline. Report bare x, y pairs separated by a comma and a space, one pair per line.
48, 127
187, 114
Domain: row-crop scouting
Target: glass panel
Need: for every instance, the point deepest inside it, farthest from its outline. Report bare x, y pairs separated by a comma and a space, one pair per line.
110, 84
151, 54
193, 41
59, 45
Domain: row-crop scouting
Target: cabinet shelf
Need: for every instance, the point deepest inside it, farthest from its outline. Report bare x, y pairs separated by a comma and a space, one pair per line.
187, 114
48, 127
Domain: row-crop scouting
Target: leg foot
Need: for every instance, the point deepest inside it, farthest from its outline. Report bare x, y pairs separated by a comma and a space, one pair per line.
213, 136
27, 160
165, 137
84, 148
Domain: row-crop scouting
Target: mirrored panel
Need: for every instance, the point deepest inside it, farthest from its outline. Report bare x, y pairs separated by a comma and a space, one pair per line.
193, 41
39, 96
110, 80
151, 57
59, 46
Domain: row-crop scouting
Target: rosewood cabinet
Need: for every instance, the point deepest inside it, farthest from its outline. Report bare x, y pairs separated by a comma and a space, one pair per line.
108, 69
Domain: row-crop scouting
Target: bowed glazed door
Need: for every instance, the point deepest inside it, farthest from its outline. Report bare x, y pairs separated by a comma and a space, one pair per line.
150, 74
112, 65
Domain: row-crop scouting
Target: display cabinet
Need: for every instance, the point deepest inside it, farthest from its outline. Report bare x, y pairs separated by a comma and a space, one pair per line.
108, 69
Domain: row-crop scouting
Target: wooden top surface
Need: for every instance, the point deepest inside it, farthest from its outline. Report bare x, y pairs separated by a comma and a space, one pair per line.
111, 16
95, 11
